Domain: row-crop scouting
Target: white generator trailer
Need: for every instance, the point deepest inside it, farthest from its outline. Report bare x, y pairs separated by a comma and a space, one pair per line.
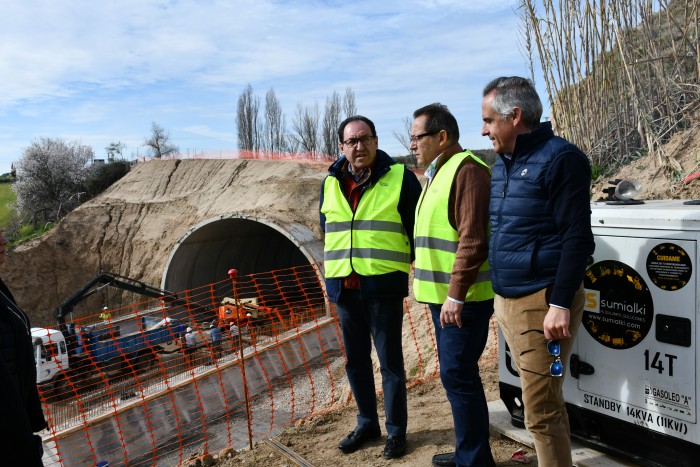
631, 383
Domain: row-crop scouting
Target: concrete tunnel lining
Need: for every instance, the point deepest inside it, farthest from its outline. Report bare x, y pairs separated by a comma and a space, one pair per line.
251, 245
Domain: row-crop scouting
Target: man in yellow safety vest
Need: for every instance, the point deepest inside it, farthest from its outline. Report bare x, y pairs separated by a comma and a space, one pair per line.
452, 273
367, 213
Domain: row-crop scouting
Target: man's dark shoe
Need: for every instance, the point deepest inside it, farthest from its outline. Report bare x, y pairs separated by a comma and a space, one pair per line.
444, 460
395, 447
358, 437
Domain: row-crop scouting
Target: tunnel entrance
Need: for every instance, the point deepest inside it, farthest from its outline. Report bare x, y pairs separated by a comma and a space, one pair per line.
207, 251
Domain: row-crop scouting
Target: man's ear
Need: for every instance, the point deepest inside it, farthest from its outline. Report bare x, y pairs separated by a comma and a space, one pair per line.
442, 134
517, 116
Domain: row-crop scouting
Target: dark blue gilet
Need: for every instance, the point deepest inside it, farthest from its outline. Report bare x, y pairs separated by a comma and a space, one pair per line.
524, 248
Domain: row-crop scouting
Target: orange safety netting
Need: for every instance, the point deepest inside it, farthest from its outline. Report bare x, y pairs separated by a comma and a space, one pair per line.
264, 352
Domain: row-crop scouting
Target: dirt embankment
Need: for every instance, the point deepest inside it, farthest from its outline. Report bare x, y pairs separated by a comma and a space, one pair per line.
132, 228
657, 180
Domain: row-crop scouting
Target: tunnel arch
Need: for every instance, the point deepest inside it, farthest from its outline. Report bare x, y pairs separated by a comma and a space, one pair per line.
249, 244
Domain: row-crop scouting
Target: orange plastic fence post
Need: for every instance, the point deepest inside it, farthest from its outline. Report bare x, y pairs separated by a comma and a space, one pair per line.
233, 274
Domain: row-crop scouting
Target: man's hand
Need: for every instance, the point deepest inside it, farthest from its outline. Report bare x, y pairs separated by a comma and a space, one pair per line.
451, 313
556, 323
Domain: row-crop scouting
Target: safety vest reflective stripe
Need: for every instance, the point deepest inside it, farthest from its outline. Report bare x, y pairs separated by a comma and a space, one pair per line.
367, 253
372, 240
444, 277
436, 241
436, 244
384, 226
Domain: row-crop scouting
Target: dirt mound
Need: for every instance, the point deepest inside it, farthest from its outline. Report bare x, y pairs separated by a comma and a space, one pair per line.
659, 179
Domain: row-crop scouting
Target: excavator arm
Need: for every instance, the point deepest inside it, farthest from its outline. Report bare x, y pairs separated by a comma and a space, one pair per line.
109, 279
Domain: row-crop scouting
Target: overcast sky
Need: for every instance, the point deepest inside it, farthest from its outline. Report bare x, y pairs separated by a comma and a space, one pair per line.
98, 72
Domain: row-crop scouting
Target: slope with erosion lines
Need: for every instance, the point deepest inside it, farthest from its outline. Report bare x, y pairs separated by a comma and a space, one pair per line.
133, 227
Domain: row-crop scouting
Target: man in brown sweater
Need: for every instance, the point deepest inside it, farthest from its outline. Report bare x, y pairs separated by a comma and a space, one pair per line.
452, 273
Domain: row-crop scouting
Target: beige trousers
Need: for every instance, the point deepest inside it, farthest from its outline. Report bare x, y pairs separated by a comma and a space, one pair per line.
521, 320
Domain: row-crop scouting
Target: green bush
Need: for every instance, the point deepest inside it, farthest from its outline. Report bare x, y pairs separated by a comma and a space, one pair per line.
27, 232
102, 176
7, 199
19, 229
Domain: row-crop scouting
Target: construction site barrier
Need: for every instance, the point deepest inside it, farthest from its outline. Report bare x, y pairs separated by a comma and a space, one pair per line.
133, 392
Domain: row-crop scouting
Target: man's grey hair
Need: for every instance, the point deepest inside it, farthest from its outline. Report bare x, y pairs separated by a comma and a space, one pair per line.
511, 92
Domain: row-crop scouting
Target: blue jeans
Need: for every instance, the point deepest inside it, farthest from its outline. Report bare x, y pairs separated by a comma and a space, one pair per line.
361, 321
459, 350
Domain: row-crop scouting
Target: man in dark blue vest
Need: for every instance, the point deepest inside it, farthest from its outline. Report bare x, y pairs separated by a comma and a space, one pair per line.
540, 243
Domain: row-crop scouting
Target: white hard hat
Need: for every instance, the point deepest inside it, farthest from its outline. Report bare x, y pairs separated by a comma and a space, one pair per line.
189, 329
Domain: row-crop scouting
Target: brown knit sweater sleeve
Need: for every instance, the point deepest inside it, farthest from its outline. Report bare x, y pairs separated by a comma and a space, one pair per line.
469, 215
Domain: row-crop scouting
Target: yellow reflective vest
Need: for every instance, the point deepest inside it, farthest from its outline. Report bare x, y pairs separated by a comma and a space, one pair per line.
372, 240
436, 241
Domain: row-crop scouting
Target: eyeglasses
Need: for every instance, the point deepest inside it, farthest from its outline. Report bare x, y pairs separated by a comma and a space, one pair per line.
556, 369
352, 142
417, 138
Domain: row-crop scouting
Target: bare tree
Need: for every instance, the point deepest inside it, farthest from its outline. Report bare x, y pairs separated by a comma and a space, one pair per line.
331, 121
291, 143
248, 121
51, 176
273, 140
159, 143
404, 138
115, 150
305, 127
349, 108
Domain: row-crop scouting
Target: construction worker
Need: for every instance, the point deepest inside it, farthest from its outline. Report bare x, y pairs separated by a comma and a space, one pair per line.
247, 334
105, 315
367, 212
234, 335
215, 336
190, 345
